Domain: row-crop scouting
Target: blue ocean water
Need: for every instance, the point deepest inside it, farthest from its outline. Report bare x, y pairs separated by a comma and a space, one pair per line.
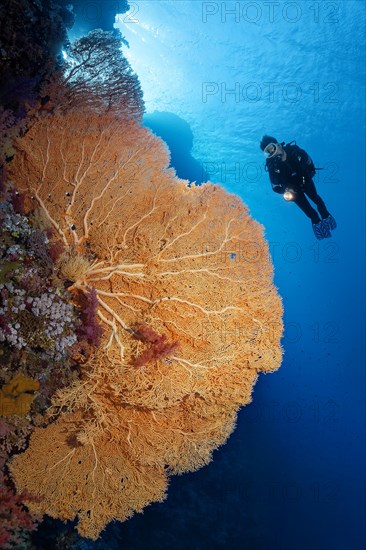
216, 76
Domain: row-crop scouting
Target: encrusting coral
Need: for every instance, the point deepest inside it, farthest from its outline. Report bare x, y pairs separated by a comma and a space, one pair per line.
17, 395
185, 262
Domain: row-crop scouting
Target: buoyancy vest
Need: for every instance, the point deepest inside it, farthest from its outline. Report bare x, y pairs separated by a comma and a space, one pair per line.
293, 172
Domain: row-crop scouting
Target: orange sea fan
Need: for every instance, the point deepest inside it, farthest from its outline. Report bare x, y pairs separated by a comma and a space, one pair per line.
94, 480
187, 261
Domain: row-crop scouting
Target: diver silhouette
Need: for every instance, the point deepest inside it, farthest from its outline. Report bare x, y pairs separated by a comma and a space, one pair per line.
291, 173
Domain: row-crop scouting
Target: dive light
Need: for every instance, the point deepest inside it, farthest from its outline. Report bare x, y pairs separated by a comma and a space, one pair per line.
289, 195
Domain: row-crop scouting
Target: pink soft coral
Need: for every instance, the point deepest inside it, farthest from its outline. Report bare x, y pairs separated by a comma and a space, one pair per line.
89, 330
15, 520
158, 348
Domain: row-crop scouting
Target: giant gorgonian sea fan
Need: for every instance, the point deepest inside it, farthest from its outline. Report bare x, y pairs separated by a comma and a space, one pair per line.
95, 76
189, 265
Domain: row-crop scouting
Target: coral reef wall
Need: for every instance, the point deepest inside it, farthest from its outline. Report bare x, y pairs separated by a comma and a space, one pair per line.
31, 35
183, 278
98, 14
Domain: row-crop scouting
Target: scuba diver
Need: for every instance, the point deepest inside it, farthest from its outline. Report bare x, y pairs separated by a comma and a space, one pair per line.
291, 173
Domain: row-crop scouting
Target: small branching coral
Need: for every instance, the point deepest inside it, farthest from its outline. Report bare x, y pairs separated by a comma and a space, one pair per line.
177, 293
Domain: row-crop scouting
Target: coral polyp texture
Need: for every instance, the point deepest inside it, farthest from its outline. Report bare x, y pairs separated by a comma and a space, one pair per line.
189, 312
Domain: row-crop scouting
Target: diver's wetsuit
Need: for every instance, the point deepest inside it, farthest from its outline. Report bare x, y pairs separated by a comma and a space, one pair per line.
296, 173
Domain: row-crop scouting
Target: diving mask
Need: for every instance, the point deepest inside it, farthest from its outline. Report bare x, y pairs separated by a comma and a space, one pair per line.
271, 150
